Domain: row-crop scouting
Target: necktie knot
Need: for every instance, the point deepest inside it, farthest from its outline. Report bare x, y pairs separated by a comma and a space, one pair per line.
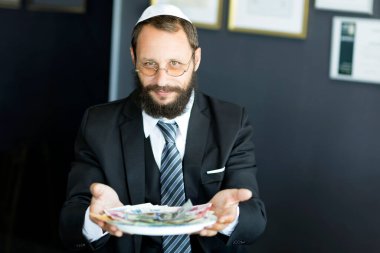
169, 130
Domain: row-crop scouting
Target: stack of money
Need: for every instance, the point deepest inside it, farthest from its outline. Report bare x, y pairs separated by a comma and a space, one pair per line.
148, 214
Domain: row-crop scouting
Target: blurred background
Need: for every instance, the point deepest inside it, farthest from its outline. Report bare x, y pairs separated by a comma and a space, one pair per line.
317, 140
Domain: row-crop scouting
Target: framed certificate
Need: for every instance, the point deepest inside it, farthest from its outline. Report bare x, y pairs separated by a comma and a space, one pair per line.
287, 18
12, 4
361, 6
355, 50
203, 13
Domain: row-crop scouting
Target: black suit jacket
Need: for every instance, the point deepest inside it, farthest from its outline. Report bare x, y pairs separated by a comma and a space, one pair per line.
110, 149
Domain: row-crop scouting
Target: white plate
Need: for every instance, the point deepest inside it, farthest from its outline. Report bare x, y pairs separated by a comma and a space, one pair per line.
159, 230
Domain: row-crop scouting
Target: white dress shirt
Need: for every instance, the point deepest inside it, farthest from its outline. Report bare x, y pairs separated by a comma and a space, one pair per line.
92, 231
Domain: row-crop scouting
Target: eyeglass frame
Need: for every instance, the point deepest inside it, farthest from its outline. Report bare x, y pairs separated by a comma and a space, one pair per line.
166, 69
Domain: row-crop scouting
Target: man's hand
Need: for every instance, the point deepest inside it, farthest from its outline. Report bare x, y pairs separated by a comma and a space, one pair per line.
224, 205
104, 197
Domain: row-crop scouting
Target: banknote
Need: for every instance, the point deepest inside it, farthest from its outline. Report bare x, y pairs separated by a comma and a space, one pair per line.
155, 214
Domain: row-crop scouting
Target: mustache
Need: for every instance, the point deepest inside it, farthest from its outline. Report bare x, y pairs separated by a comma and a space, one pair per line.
166, 88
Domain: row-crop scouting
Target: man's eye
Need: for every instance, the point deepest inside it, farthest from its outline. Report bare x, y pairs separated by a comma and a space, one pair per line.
175, 63
149, 64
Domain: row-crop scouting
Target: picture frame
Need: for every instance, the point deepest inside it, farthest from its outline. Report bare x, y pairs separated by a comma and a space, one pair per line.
283, 18
203, 13
71, 6
358, 6
10, 4
355, 49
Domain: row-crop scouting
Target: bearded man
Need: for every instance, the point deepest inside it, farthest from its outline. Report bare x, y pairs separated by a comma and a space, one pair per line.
165, 143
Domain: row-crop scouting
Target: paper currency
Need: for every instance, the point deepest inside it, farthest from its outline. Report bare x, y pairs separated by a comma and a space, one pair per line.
156, 215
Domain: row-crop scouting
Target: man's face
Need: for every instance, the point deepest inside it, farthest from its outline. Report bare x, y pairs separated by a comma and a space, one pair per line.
164, 94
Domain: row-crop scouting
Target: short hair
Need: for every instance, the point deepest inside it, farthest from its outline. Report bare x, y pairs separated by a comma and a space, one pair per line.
170, 24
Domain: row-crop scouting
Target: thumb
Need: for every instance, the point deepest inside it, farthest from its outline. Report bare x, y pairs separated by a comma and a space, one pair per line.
238, 195
97, 189
244, 194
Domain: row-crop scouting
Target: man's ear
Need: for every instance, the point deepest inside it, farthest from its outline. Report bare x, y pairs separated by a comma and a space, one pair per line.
132, 56
197, 58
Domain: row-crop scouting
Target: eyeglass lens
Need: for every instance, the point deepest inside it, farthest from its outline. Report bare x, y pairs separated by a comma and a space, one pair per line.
173, 68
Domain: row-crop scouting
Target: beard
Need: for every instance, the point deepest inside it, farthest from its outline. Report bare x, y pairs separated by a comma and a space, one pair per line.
170, 110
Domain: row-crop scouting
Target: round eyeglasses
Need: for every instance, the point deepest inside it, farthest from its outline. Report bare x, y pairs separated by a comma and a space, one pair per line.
173, 68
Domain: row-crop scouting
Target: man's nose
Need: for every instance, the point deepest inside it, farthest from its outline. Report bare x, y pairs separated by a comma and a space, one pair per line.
161, 76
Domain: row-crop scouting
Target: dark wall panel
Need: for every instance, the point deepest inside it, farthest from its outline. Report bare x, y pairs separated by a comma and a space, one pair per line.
52, 66
317, 140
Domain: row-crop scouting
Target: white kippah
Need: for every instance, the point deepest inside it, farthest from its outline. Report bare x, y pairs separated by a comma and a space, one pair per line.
162, 9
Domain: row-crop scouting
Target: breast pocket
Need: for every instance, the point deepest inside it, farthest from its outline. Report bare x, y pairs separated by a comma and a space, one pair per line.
213, 176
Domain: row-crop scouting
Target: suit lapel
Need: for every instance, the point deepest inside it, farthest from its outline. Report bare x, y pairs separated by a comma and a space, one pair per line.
196, 139
132, 134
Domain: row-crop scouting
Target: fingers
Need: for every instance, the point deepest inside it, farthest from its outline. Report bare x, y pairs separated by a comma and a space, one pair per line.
103, 197
227, 218
208, 233
224, 205
112, 230
230, 198
222, 222
215, 228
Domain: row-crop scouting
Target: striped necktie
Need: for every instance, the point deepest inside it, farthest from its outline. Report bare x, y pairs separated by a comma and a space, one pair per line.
172, 187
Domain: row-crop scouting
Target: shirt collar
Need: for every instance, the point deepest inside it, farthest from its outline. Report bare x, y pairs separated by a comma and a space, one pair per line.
182, 121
